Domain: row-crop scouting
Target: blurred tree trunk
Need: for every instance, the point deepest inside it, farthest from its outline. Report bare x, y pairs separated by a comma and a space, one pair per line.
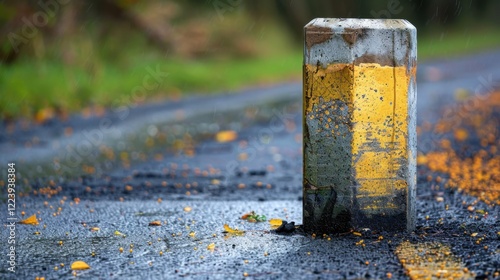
161, 37
297, 13
67, 25
11, 37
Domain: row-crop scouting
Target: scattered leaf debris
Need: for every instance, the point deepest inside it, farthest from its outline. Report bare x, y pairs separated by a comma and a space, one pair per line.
468, 157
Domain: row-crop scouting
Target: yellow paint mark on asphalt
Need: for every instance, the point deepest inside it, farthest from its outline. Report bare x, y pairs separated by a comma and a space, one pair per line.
431, 260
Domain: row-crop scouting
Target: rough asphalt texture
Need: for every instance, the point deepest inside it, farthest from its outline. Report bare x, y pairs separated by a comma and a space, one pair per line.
185, 167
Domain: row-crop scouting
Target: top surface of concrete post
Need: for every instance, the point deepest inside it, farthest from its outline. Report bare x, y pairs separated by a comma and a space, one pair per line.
359, 125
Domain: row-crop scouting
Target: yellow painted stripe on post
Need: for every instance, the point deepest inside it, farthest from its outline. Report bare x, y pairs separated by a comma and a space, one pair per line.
431, 260
380, 134
379, 118
359, 125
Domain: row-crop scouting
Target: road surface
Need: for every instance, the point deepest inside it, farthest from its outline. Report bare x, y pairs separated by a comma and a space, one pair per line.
96, 183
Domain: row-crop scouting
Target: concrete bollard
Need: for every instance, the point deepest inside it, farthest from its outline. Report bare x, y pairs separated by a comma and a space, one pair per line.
359, 125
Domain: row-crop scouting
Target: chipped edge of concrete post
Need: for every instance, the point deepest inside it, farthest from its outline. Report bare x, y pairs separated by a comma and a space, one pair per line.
359, 118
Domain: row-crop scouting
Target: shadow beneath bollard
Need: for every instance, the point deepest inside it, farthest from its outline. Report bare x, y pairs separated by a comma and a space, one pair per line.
343, 256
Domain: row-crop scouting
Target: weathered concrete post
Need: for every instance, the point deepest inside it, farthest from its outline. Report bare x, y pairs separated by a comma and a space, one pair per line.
359, 125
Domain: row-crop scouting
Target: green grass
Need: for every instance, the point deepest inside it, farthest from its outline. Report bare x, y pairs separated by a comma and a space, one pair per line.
29, 87
30, 84
454, 43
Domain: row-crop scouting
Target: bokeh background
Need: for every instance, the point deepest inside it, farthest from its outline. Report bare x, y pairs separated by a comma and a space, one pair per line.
58, 57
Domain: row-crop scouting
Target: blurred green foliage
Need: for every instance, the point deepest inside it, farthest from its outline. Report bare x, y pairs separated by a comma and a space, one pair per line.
67, 55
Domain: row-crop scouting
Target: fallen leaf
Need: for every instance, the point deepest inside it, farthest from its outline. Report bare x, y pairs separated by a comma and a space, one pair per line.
211, 246
474, 234
461, 134
215, 182
187, 209
228, 229
95, 229
155, 223
226, 136
253, 218
119, 233
461, 94
421, 159
79, 265
246, 215
243, 156
31, 220
276, 222
44, 114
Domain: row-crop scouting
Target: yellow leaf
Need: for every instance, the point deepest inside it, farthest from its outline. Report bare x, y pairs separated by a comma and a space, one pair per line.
421, 159
228, 229
215, 182
211, 246
226, 136
461, 134
79, 265
474, 234
44, 114
276, 222
119, 233
187, 209
30, 220
243, 156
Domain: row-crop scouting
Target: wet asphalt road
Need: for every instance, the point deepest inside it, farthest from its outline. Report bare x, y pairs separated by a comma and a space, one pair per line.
156, 160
